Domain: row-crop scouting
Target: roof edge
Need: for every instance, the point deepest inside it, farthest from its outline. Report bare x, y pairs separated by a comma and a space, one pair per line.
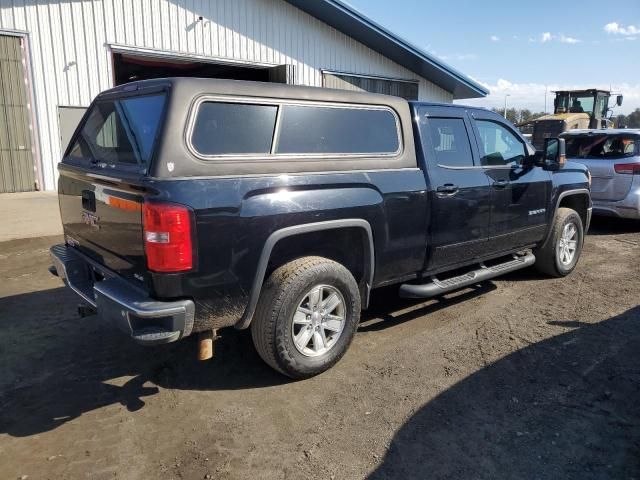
466, 88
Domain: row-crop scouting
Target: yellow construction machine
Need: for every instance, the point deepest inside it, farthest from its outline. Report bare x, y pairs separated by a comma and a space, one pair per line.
572, 109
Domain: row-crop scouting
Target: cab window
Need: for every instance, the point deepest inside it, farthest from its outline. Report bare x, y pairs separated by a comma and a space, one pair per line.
498, 145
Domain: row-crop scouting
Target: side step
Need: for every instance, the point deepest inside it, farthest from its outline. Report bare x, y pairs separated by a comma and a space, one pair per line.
439, 287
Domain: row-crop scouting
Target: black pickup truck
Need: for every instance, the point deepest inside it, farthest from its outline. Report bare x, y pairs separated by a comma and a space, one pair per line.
190, 205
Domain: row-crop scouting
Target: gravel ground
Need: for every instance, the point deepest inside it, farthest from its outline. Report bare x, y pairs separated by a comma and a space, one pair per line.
523, 377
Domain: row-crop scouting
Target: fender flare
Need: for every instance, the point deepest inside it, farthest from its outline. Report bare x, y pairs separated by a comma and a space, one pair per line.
568, 193
278, 235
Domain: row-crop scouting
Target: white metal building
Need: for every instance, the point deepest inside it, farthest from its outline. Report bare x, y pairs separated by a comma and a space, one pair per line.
56, 55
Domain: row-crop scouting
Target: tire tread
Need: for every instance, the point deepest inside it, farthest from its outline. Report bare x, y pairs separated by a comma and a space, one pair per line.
272, 297
546, 255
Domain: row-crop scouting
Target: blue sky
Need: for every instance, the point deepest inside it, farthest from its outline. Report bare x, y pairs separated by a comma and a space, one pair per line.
521, 47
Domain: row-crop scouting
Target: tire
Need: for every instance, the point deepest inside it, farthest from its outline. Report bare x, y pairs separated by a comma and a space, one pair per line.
293, 290
549, 258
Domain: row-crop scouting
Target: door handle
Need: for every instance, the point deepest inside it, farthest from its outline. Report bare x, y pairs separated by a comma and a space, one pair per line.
448, 189
500, 183
89, 200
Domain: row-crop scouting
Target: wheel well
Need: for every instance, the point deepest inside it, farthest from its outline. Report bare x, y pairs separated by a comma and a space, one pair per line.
578, 202
347, 246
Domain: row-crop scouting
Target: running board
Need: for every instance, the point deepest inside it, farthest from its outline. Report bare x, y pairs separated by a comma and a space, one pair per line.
439, 287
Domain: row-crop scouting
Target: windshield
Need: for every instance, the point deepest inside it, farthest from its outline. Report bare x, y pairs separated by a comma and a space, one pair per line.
601, 146
575, 103
120, 131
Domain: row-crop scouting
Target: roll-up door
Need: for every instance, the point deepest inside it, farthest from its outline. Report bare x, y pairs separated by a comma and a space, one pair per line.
16, 156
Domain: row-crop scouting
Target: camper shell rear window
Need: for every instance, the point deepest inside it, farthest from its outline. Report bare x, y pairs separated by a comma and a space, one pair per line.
119, 131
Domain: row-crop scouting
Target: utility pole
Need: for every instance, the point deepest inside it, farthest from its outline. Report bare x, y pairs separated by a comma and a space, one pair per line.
545, 98
505, 104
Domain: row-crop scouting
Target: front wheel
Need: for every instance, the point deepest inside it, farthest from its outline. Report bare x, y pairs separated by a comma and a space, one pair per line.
559, 256
306, 317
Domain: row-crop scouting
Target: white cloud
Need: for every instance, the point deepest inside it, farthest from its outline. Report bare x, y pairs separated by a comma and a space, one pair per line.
453, 56
552, 37
459, 56
546, 37
565, 39
615, 28
494, 38
531, 95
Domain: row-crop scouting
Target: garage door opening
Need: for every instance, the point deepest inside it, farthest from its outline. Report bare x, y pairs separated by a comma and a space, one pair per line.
129, 67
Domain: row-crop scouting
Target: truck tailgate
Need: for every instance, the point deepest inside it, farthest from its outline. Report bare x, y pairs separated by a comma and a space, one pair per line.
103, 220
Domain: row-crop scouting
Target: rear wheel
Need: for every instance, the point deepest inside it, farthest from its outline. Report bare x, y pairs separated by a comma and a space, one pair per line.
306, 317
559, 256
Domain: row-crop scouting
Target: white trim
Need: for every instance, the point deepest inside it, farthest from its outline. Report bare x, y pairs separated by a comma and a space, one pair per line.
193, 113
185, 56
13, 33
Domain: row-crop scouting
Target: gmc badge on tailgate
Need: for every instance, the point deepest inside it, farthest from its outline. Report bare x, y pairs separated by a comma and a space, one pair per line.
90, 219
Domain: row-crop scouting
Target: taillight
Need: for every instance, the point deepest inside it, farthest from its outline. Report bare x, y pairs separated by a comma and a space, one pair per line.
167, 237
627, 168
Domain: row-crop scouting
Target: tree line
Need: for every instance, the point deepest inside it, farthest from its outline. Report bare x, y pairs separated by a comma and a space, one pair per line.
630, 121
517, 116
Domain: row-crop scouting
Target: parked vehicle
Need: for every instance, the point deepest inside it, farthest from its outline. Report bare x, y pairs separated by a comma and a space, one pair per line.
613, 158
572, 109
190, 205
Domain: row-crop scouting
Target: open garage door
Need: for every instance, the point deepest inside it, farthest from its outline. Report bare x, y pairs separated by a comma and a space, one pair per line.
16, 156
128, 67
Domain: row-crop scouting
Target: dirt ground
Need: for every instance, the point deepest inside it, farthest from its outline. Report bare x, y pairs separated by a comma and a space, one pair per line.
524, 377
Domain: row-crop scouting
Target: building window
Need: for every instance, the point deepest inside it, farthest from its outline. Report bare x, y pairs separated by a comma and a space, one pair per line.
399, 88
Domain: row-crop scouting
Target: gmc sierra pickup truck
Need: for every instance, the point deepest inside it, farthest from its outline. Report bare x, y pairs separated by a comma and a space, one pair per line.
190, 205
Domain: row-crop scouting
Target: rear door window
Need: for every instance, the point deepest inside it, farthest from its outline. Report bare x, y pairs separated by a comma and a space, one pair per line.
450, 142
234, 129
120, 131
601, 146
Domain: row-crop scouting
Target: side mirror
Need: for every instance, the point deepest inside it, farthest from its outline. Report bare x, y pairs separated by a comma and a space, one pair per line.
554, 154
619, 100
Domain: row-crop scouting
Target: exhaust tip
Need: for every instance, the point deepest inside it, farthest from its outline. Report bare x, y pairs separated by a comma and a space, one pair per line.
205, 345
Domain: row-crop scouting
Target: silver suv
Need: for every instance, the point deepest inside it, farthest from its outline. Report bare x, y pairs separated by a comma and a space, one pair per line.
613, 158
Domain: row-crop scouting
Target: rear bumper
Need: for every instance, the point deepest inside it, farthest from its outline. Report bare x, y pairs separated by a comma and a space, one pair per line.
627, 208
122, 303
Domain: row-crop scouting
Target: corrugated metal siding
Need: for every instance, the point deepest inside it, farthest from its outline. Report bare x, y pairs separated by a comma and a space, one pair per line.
71, 60
16, 157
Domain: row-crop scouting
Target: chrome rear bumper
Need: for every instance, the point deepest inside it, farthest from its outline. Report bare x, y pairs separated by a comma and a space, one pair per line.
121, 303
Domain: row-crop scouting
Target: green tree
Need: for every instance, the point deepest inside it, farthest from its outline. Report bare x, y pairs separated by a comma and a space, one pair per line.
628, 121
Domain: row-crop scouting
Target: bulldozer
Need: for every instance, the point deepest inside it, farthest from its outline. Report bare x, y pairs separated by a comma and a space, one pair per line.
572, 109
